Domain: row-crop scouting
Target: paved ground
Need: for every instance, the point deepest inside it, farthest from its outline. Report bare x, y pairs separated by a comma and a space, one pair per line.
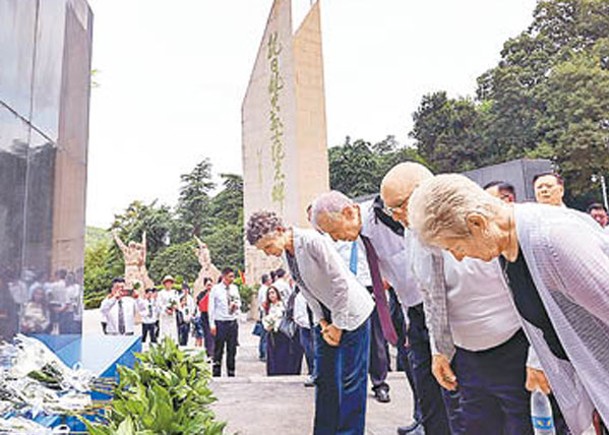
253, 403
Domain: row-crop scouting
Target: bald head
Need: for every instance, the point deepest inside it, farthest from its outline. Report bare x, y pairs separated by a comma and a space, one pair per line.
397, 186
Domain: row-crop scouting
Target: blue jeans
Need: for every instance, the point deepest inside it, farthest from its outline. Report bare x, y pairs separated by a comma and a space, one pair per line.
341, 383
262, 345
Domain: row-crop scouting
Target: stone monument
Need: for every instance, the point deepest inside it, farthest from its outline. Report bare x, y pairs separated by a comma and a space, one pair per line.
285, 156
519, 173
45, 77
208, 270
134, 257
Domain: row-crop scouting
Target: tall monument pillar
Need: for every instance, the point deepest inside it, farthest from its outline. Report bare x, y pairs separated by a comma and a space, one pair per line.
285, 156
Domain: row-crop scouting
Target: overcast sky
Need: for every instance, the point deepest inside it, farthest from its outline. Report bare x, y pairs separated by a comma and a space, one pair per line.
173, 75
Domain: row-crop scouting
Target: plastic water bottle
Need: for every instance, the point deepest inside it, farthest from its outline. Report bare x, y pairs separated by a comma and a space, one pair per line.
541, 414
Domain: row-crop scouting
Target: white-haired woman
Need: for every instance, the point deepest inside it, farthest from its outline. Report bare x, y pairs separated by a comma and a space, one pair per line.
341, 308
556, 261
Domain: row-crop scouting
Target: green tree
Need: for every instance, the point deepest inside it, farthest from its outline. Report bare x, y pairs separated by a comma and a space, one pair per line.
354, 168
225, 245
447, 133
577, 118
227, 205
178, 260
545, 98
193, 203
357, 168
157, 220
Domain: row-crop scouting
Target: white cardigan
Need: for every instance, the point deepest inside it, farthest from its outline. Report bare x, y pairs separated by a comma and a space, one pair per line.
568, 256
328, 281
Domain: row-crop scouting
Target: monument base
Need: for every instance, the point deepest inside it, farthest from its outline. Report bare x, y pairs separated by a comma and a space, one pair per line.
100, 354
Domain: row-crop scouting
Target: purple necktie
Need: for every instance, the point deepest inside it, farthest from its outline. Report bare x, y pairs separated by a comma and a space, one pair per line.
382, 306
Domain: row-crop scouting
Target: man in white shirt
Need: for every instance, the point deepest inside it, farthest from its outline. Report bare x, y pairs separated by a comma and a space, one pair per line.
341, 218
341, 308
599, 214
224, 306
353, 254
149, 311
282, 284
549, 189
477, 342
120, 310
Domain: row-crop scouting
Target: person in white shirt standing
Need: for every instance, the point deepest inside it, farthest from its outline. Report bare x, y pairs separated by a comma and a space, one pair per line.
341, 309
224, 307
149, 311
120, 309
282, 284
187, 311
168, 301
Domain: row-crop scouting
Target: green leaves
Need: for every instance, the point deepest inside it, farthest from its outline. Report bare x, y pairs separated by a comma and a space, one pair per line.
547, 97
357, 168
167, 392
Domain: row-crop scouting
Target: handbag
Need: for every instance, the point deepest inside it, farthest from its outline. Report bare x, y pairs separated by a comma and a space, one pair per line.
287, 325
258, 329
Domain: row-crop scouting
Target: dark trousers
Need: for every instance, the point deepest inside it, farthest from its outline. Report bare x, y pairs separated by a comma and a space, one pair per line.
306, 341
340, 393
183, 332
262, 344
428, 391
283, 355
227, 334
149, 329
402, 361
208, 339
379, 355
491, 384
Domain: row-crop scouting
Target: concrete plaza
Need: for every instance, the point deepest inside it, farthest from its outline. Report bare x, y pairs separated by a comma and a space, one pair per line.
253, 403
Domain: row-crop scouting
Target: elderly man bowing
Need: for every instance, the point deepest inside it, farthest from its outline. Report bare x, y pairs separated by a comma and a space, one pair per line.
382, 240
478, 345
341, 309
557, 263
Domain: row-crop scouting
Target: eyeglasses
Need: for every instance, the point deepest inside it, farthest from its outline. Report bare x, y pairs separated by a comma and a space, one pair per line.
391, 210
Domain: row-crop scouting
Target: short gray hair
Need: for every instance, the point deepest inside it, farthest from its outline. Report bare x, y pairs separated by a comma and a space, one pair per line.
261, 224
331, 202
439, 207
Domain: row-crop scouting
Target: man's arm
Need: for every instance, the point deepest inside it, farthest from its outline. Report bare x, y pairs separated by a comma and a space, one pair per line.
211, 309
107, 304
433, 288
119, 242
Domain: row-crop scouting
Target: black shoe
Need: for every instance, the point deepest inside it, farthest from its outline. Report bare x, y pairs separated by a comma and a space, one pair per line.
405, 430
309, 381
382, 395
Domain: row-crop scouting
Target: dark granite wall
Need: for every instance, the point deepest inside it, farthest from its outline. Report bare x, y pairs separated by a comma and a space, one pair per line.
45, 64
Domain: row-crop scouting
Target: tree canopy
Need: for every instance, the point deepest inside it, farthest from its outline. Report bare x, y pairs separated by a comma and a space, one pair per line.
547, 97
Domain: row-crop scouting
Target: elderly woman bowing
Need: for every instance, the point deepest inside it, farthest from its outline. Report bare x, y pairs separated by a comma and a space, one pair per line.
341, 308
556, 262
